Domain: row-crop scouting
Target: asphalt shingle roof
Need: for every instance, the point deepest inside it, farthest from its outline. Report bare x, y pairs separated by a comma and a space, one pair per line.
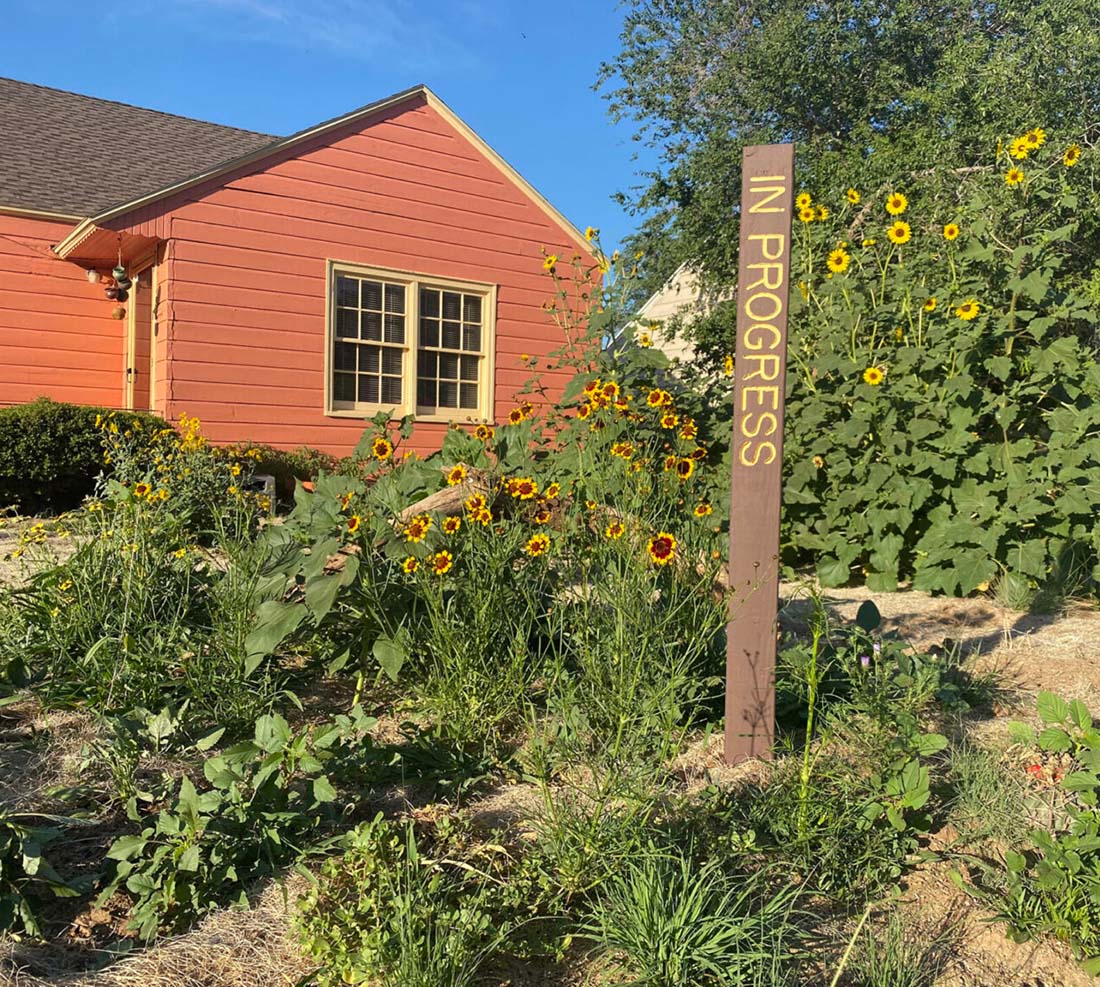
79, 156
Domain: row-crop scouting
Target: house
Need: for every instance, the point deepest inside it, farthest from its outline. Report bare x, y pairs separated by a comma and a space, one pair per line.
280, 289
682, 297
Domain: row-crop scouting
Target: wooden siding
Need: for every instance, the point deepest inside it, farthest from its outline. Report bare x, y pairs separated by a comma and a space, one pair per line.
57, 338
241, 313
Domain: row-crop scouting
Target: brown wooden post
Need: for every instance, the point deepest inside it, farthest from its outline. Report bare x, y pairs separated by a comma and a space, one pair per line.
760, 363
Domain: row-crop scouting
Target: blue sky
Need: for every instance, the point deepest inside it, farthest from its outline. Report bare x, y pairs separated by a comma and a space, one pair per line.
519, 73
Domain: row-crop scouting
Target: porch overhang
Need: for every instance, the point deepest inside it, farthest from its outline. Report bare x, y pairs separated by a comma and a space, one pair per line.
97, 248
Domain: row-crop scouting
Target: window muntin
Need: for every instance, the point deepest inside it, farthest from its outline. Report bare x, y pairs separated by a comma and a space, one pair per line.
410, 344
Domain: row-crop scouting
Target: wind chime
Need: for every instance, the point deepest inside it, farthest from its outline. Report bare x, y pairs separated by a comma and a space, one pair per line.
118, 285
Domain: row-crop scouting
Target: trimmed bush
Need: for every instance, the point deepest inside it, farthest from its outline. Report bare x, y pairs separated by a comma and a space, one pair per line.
51, 453
288, 465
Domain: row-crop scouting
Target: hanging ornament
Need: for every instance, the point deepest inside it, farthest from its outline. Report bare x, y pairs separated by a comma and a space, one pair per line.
119, 271
112, 292
122, 295
124, 282
118, 312
93, 276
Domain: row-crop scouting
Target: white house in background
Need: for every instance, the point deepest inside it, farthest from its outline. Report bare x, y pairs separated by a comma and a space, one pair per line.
681, 295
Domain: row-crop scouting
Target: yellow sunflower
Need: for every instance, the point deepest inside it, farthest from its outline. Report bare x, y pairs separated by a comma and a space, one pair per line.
853, 196
899, 232
896, 204
550, 262
930, 305
968, 310
838, 261
1018, 148
951, 231
822, 213
803, 200
1072, 155
807, 214
381, 448
873, 376
1014, 176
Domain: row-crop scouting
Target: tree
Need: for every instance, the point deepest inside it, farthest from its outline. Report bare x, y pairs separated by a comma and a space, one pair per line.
870, 90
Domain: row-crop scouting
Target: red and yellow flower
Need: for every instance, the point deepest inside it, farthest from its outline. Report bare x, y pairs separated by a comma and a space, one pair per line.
456, 474
662, 548
441, 562
703, 509
451, 524
553, 491
685, 468
523, 488
354, 522
410, 565
537, 545
515, 416
484, 432
614, 531
381, 448
417, 529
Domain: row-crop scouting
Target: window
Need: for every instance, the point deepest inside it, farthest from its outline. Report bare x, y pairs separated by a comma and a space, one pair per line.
410, 343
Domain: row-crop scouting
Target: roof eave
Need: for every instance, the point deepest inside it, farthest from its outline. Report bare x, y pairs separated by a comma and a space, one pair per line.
38, 214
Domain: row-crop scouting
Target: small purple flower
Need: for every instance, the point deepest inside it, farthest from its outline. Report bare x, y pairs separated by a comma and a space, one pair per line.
877, 648
865, 661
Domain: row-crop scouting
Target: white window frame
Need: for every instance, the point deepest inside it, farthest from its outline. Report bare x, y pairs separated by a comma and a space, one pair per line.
412, 282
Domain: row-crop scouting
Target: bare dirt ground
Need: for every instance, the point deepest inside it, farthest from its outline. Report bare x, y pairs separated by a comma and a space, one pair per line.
1029, 652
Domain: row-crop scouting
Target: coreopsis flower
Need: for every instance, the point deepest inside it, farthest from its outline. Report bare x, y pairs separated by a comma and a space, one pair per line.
685, 468
537, 545
381, 448
353, 523
523, 488
441, 562
417, 529
142, 490
456, 475
662, 548
451, 524
410, 565
614, 530
703, 509
484, 432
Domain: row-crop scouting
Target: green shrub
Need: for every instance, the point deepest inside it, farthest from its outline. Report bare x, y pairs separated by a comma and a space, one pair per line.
381, 912
26, 876
289, 465
51, 453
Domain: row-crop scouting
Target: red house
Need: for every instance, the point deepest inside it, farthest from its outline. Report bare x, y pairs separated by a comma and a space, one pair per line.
283, 289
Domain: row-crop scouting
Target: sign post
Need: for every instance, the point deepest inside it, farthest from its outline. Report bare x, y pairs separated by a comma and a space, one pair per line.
760, 364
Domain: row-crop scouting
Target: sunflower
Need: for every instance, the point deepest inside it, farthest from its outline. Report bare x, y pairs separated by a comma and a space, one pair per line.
142, 490
804, 200
853, 196
441, 562
417, 529
968, 310
614, 531
703, 510
515, 416
590, 233
930, 304
822, 213
537, 545
896, 204
456, 475
669, 419
410, 565
873, 376
484, 432
382, 448
838, 261
451, 524
662, 548
899, 232
523, 488
1035, 138
727, 365
1072, 155
353, 523
951, 231
550, 262
685, 468
645, 340
1014, 176
1018, 148
807, 214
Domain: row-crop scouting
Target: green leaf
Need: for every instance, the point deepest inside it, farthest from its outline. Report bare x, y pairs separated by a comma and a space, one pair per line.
931, 743
323, 790
189, 859
274, 621
391, 655
127, 847
1080, 714
1052, 707
868, 616
1055, 739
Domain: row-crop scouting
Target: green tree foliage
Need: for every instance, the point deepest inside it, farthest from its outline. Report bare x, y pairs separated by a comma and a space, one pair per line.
868, 89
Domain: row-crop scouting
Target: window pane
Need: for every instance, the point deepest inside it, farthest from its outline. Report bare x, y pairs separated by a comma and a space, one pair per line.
469, 395
472, 341
344, 357
429, 302
368, 359
347, 322
429, 332
347, 292
391, 390
372, 295
469, 368
452, 305
425, 393
392, 361
471, 308
343, 387
395, 328
448, 394
395, 298
368, 390
448, 366
372, 325
426, 365
452, 336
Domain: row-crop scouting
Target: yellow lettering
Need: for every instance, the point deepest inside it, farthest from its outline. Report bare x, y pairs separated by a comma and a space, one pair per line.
751, 303
769, 270
762, 206
759, 393
767, 366
758, 450
752, 425
765, 239
754, 343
